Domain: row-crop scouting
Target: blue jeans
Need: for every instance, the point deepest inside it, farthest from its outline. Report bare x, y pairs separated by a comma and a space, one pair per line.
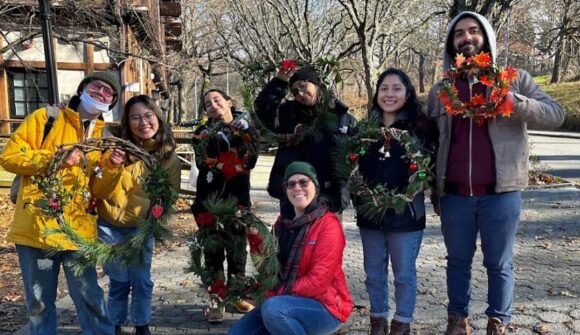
287, 315
495, 217
40, 278
403, 249
134, 279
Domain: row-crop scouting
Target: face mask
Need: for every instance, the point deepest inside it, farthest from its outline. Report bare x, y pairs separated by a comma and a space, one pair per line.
92, 106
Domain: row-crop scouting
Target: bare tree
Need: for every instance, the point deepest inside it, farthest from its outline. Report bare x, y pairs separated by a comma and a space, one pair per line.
382, 27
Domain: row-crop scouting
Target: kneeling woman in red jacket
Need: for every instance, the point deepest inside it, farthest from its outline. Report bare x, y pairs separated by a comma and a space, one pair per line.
312, 297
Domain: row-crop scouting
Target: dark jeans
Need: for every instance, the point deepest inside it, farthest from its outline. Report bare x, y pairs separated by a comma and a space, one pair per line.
495, 218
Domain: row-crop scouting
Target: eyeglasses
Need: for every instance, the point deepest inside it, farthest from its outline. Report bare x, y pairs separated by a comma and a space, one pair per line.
136, 119
97, 86
301, 88
303, 183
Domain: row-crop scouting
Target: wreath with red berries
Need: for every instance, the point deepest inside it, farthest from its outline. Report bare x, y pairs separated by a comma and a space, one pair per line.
375, 201
56, 197
241, 147
222, 217
478, 69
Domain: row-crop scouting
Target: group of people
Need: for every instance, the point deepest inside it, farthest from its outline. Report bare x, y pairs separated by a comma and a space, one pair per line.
114, 180
480, 168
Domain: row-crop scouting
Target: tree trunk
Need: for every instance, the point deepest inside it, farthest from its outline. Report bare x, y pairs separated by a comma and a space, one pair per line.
421, 73
558, 60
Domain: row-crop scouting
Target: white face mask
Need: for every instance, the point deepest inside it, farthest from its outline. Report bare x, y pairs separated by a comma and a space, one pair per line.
92, 106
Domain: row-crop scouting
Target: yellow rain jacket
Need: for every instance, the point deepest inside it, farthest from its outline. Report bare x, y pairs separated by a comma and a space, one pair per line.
27, 155
129, 202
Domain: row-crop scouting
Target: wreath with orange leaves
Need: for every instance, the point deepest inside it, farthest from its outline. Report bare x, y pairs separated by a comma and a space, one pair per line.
478, 69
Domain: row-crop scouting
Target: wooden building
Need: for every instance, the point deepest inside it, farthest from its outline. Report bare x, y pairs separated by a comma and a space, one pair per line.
128, 38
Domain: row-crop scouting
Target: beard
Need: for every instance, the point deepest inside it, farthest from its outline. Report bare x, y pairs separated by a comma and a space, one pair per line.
469, 49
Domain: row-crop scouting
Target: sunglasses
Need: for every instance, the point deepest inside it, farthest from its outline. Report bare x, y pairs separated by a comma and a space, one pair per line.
97, 86
301, 88
303, 183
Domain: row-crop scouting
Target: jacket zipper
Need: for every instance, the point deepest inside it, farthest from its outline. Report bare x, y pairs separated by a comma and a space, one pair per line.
470, 81
412, 211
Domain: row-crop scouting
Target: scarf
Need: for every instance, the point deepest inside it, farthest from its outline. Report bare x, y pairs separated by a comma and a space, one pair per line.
291, 234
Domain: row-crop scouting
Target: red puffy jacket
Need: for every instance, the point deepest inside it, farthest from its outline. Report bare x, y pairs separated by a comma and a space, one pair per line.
320, 275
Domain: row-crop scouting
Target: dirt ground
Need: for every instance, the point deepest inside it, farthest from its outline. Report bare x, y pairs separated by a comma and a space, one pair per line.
12, 304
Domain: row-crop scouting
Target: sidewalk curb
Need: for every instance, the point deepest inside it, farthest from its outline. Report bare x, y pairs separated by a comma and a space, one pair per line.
561, 134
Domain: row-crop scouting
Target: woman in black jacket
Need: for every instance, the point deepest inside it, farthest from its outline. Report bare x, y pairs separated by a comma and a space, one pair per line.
393, 235
312, 102
226, 148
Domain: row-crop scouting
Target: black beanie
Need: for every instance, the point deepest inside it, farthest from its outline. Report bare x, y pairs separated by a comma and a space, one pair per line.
305, 74
301, 168
102, 76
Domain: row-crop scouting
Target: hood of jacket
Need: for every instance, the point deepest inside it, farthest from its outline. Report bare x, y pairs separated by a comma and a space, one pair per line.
490, 38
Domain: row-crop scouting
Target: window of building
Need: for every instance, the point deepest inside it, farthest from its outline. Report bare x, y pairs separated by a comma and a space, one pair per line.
28, 92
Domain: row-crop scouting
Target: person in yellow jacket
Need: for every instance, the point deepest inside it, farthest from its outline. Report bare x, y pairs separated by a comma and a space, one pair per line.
28, 154
121, 212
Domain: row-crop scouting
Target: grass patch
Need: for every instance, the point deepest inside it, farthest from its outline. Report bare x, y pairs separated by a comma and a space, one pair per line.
568, 95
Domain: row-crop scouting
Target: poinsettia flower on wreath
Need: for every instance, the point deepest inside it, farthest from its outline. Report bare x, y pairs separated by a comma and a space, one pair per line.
230, 164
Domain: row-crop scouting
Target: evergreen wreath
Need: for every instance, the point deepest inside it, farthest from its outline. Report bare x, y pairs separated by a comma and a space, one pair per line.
56, 197
378, 199
478, 69
231, 162
223, 216
329, 69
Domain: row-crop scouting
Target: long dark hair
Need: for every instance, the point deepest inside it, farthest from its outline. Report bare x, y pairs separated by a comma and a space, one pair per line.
164, 137
412, 106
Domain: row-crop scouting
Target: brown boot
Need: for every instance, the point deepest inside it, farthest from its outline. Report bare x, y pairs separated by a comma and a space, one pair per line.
379, 326
495, 327
457, 325
400, 328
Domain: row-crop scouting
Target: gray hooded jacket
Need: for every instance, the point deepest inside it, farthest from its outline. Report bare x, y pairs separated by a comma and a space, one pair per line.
533, 108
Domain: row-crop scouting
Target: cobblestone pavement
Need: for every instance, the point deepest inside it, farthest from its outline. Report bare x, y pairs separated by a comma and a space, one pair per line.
547, 261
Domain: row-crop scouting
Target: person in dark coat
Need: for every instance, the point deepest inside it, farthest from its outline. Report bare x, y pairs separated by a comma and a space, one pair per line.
311, 99
394, 236
224, 173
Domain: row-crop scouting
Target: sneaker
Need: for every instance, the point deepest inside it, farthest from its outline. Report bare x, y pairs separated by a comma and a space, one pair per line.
457, 325
142, 330
379, 326
400, 328
118, 330
495, 327
243, 306
216, 315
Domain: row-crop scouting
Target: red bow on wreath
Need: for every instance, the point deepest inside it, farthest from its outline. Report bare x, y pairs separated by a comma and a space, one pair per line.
219, 288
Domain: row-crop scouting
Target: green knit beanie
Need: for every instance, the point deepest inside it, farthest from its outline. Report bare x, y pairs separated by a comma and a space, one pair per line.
102, 76
301, 168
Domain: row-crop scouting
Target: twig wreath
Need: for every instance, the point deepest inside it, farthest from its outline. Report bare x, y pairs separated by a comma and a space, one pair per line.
233, 160
478, 69
90, 253
221, 217
378, 199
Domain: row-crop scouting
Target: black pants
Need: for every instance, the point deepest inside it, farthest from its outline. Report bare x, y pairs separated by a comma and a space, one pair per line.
233, 249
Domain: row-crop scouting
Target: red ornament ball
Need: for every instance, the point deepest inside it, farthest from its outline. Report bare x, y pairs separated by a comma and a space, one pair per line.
413, 167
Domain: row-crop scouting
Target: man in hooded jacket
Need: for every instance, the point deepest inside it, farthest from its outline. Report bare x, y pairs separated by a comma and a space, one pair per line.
29, 153
481, 169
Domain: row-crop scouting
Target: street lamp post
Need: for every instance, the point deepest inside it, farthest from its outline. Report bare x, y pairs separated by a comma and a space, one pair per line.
45, 15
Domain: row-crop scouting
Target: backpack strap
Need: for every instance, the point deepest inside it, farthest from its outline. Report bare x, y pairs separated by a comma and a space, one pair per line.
52, 113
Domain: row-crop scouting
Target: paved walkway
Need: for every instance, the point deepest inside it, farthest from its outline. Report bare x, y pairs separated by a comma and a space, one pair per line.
547, 263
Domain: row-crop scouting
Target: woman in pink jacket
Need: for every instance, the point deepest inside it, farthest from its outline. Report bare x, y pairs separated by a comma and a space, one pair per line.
312, 296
